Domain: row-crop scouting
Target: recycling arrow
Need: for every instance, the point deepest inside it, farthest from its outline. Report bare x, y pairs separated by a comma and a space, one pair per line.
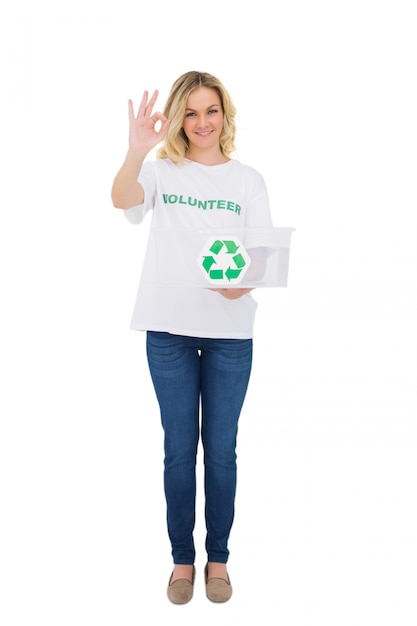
230, 265
232, 274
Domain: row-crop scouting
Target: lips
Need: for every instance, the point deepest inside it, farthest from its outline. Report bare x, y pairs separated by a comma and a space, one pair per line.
205, 133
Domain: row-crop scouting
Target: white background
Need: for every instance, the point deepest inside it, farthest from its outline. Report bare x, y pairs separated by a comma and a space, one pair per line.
325, 530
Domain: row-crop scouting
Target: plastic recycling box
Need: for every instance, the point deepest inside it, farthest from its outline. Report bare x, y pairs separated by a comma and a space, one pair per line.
222, 257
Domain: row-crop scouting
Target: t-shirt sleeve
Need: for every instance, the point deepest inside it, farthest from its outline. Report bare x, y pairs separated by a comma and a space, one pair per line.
258, 214
259, 233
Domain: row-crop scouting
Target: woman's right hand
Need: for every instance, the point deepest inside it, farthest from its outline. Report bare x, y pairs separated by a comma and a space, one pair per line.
143, 132
146, 130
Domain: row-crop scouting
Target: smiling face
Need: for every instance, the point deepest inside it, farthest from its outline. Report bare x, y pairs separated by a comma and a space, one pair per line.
203, 121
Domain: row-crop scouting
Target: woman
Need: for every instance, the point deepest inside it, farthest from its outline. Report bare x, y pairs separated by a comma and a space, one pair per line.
199, 341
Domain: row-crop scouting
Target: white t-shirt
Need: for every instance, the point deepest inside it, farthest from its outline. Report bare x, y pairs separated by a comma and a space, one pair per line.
192, 195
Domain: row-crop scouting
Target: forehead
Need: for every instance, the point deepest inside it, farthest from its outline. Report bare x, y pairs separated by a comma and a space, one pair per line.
202, 98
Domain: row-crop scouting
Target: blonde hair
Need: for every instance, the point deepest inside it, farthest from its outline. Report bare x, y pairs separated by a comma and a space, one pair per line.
175, 145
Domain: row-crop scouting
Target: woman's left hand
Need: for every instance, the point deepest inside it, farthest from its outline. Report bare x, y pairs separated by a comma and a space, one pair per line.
232, 293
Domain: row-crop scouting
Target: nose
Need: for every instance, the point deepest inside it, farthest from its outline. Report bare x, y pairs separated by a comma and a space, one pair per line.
202, 120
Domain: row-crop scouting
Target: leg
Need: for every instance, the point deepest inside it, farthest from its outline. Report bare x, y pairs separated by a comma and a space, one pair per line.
174, 365
225, 372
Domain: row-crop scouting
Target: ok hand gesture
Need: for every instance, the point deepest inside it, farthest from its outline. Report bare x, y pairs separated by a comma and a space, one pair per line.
143, 135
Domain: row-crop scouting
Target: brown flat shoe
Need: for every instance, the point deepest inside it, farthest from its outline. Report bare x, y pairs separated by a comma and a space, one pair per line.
217, 589
181, 590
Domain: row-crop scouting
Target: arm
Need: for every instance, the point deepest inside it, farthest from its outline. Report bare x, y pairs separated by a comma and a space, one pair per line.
255, 272
126, 191
232, 293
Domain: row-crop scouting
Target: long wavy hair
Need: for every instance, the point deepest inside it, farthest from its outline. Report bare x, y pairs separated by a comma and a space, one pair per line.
175, 146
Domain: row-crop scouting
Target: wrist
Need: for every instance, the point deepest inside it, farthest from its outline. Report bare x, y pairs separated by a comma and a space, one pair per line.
136, 155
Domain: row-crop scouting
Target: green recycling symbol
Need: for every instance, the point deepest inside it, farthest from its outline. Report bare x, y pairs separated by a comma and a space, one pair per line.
224, 260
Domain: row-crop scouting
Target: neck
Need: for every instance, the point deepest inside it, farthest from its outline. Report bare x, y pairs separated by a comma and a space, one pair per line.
206, 157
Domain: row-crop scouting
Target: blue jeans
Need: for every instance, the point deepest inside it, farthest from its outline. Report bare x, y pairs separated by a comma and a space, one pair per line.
189, 373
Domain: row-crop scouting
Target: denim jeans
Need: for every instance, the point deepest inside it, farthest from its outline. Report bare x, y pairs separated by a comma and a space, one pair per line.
190, 373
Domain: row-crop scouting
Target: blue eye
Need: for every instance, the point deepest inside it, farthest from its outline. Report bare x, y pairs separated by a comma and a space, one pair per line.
190, 114
213, 111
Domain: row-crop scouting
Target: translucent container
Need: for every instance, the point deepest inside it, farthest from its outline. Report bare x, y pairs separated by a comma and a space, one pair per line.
222, 257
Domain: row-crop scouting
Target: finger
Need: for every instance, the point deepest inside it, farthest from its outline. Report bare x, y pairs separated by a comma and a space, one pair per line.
151, 103
158, 117
164, 127
130, 111
142, 106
